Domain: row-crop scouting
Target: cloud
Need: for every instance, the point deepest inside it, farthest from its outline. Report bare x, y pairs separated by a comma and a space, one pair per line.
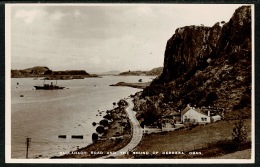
99, 38
28, 16
31, 15
57, 15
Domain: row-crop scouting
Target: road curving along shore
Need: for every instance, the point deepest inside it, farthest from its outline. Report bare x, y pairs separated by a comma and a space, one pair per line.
137, 132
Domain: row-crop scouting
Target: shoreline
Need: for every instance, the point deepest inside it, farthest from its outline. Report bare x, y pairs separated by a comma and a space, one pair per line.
109, 142
103, 150
140, 85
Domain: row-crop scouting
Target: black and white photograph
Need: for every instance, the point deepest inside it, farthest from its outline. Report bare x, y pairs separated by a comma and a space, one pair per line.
128, 83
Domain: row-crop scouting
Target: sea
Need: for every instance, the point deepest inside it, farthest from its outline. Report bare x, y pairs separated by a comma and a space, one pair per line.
40, 116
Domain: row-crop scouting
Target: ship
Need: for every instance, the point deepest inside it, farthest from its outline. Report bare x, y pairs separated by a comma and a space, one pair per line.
48, 87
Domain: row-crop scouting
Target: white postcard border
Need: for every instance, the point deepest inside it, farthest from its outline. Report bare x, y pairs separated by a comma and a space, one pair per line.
8, 158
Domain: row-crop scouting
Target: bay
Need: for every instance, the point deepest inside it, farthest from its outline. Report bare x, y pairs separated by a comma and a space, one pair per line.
42, 115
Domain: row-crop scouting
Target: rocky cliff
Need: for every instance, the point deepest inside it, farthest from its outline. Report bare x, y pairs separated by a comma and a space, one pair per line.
189, 48
205, 66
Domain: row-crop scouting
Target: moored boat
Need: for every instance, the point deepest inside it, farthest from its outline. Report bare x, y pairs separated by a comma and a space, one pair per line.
49, 87
77, 136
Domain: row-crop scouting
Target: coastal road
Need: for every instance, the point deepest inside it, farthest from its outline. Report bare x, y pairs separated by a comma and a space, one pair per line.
136, 128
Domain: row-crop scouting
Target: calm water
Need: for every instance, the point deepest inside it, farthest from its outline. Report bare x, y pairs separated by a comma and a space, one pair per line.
43, 115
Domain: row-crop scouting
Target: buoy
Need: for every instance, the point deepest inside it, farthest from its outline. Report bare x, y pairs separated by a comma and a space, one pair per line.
21, 96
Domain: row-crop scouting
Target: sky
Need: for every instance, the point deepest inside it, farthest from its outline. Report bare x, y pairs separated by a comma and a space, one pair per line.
100, 38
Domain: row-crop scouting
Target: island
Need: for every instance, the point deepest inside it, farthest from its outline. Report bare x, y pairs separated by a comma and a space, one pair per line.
48, 74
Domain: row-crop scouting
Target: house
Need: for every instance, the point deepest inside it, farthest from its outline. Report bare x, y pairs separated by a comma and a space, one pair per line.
195, 115
201, 115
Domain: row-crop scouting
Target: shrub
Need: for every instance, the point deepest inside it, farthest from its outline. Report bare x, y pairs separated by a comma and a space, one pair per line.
94, 137
100, 129
150, 115
244, 102
239, 133
227, 146
211, 97
104, 122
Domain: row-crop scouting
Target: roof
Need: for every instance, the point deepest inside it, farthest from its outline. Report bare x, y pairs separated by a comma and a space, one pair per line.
195, 109
185, 110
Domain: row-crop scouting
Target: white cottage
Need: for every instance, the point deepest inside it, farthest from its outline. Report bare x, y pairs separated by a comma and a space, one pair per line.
194, 115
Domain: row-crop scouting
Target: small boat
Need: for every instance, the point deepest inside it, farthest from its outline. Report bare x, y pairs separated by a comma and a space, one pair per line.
77, 136
62, 136
48, 86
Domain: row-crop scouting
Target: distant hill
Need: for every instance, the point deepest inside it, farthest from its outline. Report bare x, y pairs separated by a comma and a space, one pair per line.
37, 70
113, 72
154, 71
43, 71
29, 72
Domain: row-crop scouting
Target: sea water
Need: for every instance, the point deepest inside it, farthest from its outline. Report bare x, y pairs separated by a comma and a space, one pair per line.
43, 115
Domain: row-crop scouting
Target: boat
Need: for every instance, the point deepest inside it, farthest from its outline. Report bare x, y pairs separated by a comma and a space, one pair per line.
77, 136
62, 136
48, 86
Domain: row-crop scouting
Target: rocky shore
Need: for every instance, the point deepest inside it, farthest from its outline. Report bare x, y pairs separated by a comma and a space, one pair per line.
116, 134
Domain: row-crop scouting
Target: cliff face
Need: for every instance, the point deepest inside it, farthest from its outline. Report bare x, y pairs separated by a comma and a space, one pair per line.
236, 35
192, 47
206, 66
189, 48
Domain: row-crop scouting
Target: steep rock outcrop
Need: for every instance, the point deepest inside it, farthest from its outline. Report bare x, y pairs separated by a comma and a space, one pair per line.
189, 48
206, 66
192, 47
236, 34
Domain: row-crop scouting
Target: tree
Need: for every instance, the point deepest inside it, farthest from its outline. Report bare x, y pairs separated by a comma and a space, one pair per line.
107, 116
94, 137
104, 122
239, 133
100, 129
211, 97
94, 123
150, 116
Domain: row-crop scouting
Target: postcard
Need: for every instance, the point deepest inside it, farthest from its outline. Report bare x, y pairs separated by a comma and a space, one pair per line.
129, 83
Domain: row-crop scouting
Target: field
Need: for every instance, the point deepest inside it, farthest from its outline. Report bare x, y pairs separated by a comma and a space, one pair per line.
202, 138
